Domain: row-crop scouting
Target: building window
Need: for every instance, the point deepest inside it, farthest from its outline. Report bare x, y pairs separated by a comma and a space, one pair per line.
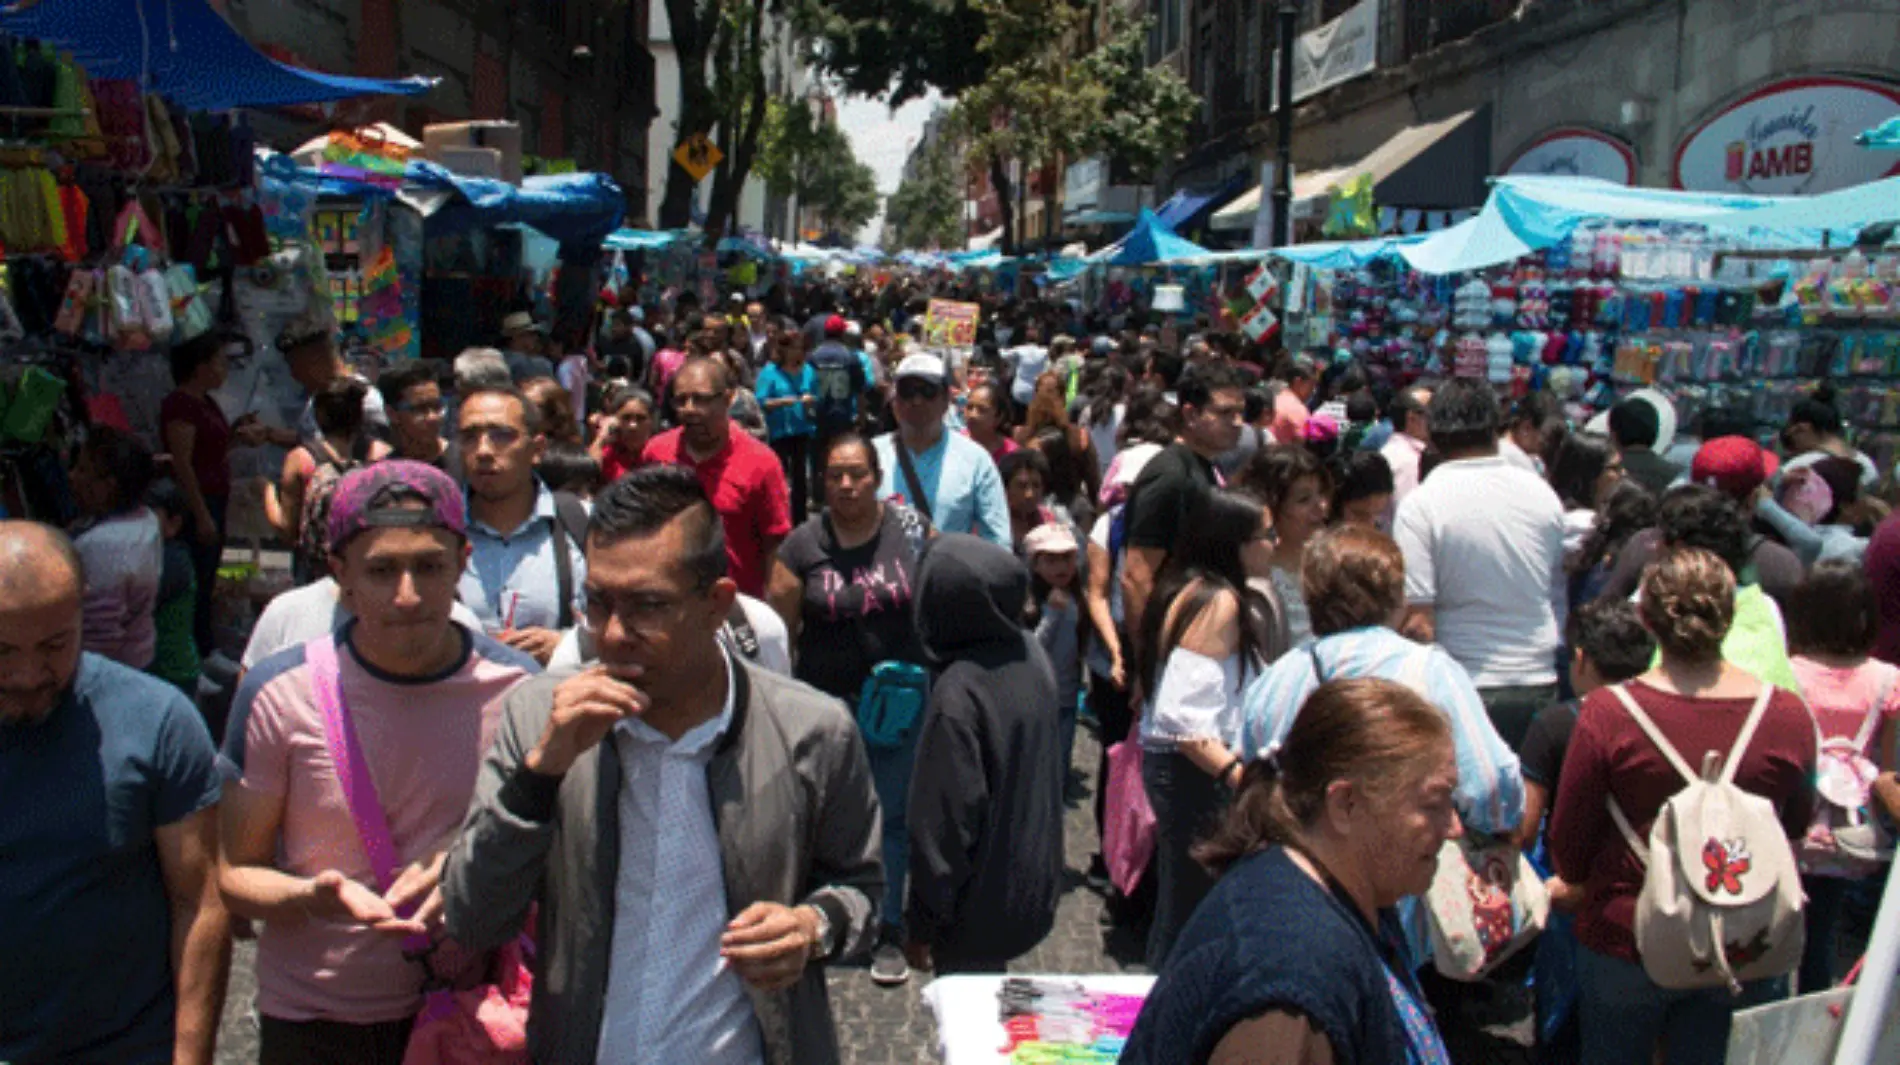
1252, 59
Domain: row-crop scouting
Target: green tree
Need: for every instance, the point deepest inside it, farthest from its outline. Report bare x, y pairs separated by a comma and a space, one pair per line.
1147, 110
722, 47
1036, 104
802, 156
926, 211
897, 47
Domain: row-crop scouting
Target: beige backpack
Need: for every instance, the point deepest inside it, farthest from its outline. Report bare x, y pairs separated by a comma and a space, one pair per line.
1721, 901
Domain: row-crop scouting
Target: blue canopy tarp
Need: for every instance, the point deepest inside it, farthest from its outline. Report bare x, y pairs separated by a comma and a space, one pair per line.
578, 210
644, 239
1150, 242
192, 56
1346, 254
1527, 213
1885, 136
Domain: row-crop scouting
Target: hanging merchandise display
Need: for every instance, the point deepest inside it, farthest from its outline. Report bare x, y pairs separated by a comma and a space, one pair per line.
122, 220
1704, 316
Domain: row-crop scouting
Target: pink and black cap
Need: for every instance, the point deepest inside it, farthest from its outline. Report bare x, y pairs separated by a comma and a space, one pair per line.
383, 496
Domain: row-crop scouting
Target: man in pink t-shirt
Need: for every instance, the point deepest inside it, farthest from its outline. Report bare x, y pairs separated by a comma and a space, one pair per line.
1290, 412
422, 695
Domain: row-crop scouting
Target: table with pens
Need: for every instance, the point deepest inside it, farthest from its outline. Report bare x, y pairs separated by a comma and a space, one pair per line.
1034, 1019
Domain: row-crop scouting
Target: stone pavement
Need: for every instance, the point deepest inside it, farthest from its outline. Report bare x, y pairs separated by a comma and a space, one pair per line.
877, 1026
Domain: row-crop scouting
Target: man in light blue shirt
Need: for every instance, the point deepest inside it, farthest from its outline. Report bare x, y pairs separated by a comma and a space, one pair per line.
516, 581
957, 486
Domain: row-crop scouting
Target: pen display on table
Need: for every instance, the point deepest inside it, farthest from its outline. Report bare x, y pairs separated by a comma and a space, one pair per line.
1059, 1021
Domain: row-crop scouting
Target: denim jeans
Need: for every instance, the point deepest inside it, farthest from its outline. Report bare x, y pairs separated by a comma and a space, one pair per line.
282, 1042
1624, 1013
1065, 735
1187, 805
1827, 897
890, 775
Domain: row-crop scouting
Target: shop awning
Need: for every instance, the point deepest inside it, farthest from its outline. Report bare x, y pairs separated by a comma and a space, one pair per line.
190, 54
1434, 166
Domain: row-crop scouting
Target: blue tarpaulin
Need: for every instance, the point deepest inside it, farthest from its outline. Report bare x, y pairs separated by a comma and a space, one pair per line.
188, 53
1527, 213
578, 210
1884, 136
1150, 242
644, 239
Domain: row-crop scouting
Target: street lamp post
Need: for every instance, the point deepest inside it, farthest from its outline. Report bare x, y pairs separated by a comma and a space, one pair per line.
1288, 15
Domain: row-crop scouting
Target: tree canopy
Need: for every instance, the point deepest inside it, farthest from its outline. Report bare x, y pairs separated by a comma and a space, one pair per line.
927, 209
803, 156
899, 48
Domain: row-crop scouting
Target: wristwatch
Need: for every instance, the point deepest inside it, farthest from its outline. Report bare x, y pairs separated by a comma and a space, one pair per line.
823, 950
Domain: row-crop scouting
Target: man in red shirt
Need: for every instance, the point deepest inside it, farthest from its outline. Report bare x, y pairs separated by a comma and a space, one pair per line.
741, 475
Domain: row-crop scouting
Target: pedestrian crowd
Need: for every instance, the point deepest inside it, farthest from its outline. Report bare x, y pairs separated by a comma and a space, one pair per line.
677, 662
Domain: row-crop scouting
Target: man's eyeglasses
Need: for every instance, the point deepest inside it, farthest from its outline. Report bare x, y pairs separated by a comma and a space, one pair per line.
645, 612
918, 390
1224, 412
438, 407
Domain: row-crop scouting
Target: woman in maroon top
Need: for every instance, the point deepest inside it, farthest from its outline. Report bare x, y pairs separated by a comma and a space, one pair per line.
1699, 702
198, 438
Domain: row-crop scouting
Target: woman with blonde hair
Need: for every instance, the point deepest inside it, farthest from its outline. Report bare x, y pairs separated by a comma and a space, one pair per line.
1700, 704
1296, 957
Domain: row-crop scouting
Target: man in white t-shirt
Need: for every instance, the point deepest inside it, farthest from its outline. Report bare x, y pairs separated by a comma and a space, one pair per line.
1484, 547
1027, 361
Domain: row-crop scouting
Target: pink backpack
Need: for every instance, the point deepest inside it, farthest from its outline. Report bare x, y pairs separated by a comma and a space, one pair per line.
483, 1024
1846, 839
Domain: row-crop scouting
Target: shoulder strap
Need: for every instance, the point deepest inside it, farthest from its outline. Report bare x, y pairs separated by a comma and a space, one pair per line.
1655, 734
914, 482
1872, 721
745, 639
346, 752
1319, 671
1755, 714
1630, 837
570, 529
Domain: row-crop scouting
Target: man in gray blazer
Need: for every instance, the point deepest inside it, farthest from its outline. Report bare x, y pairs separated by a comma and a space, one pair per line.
701, 835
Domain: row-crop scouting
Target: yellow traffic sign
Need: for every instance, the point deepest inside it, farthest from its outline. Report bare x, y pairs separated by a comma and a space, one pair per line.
697, 155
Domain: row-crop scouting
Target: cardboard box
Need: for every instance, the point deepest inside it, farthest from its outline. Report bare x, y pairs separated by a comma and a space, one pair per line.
502, 137
468, 162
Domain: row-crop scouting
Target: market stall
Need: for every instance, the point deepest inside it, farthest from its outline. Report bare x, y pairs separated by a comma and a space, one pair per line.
994, 1020
1591, 290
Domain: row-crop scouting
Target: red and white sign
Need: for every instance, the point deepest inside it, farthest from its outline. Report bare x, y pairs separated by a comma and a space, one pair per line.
1790, 137
1574, 151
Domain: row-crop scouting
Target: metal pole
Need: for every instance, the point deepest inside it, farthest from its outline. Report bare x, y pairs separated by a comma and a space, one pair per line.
1289, 14
1867, 1010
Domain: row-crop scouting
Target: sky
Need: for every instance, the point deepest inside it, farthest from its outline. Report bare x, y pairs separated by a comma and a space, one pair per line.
883, 138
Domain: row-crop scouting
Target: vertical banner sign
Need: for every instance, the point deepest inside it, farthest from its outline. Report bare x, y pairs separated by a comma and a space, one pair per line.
947, 322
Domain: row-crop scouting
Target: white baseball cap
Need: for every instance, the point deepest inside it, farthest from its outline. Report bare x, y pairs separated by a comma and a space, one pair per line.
922, 365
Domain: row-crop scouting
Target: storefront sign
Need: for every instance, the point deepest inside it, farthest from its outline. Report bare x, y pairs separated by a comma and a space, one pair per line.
1573, 151
1790, 137
1082, 184
1341, 50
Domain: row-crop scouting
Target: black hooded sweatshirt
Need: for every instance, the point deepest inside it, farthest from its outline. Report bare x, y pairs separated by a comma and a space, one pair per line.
986, 795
